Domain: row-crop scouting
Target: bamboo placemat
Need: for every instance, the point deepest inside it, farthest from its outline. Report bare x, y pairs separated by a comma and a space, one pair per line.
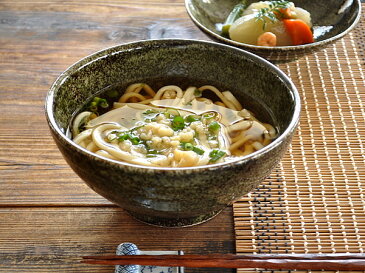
314, 201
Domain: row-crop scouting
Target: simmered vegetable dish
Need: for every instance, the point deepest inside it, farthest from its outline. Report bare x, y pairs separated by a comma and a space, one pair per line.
269, 23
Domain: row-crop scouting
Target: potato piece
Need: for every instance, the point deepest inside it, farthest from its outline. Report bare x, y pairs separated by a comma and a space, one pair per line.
246, 29
255, 7
304, 15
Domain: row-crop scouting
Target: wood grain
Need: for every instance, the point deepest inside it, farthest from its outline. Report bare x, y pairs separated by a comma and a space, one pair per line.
54, 239
48, 216
38, 41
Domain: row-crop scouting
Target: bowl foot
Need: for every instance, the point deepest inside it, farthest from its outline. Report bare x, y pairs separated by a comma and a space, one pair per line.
174, 222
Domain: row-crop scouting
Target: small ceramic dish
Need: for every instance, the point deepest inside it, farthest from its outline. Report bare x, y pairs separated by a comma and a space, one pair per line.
332, 19
132, 249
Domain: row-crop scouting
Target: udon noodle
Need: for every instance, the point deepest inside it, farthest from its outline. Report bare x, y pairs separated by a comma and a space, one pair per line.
171, 127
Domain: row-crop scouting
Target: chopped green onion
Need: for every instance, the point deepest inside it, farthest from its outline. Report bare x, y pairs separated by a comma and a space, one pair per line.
215, 155
178, 123
93, 105
123, 137
186, 146
197, 93
210, 115
150, 115
214, 127
135, 140
127, 136
192, 118
103, 103
136, 128
151, 151
198, 150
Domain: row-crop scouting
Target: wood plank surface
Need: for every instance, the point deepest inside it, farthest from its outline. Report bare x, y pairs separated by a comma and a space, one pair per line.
38, 40
53, 239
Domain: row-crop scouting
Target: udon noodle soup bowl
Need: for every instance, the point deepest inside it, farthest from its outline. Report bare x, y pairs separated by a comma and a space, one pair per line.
175, 196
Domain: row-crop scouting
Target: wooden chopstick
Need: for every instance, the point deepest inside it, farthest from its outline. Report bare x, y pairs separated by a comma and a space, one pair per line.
340, 261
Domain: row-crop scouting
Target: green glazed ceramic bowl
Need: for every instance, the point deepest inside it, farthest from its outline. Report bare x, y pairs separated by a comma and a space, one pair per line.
175, 196
332, 19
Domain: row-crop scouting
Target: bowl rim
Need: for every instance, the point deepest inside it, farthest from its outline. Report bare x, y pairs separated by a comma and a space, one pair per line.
275, 48
49, 105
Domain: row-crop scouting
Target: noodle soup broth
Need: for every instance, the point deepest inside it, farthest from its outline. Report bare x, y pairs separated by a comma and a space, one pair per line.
172, 125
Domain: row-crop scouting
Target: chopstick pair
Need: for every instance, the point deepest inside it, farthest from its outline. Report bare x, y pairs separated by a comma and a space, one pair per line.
336, 262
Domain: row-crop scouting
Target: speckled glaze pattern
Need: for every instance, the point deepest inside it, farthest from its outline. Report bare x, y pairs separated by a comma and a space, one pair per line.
174, 196
207, 14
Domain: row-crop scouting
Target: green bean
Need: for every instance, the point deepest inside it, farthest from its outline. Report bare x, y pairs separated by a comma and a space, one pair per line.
233, 16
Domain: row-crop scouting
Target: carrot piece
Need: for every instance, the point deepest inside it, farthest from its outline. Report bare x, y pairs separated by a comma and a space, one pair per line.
299, 32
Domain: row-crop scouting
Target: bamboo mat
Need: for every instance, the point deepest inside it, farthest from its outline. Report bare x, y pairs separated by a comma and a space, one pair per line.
314, 201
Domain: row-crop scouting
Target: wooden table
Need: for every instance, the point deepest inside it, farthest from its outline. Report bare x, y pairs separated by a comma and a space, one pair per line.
48, 216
